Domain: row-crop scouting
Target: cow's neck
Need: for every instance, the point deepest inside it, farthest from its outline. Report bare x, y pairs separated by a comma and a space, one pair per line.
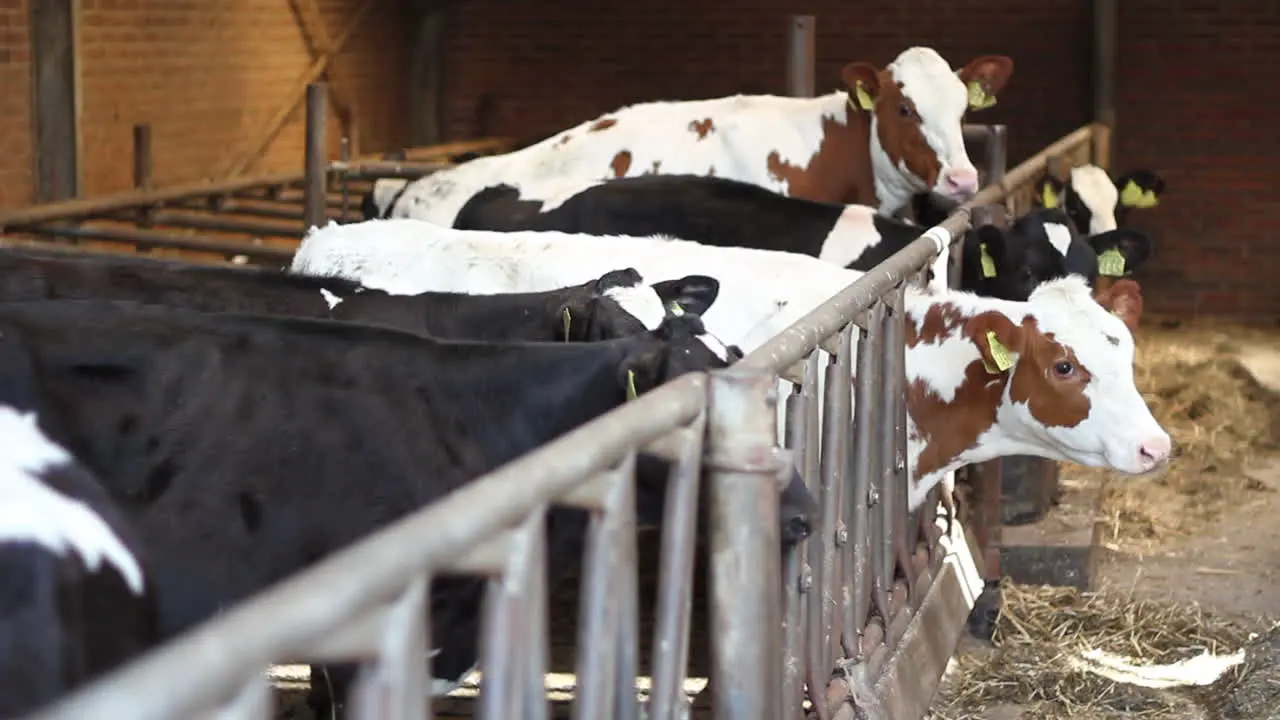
952, 401
840, 169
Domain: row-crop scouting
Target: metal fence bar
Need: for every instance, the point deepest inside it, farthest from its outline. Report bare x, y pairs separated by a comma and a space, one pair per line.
669, 660
744, 462
315, 161
801, 43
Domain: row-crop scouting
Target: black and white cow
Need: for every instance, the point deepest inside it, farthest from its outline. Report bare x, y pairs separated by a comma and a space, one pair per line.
1095, 202
74, 597
726, 213
243, 448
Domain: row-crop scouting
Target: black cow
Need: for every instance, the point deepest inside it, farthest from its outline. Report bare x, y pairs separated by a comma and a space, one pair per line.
244, 448
75, 600
591, 309
722, 212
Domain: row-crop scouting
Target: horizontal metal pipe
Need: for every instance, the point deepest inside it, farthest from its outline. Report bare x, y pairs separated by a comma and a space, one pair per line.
283, 618
188, 219
253, 207
153, 238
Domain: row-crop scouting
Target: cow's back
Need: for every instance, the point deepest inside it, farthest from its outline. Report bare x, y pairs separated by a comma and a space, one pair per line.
731, 137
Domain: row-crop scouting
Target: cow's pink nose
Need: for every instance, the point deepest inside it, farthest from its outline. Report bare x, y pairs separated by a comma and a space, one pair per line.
1154, 451
960, 181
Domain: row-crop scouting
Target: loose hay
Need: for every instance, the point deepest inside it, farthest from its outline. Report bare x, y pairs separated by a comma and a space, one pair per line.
1041, 629
1221, 420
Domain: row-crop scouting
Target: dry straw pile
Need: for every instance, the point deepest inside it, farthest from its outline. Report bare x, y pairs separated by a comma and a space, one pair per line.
1041, 629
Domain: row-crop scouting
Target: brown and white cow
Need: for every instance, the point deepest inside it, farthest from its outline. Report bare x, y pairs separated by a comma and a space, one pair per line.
1066, 392
889, 133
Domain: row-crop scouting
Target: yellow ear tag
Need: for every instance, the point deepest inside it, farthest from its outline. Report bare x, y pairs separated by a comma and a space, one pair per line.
631, 385
675, 308
1047, 197
568, 320
1111, 263
864, 98
978, 97
1134, 196
988, 265
1000, 355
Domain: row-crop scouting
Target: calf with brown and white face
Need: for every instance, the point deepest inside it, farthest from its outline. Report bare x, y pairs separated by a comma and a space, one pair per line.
1052, 377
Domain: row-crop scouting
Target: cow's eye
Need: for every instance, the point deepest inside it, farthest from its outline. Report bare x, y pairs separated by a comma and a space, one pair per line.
1063, 369
905, 110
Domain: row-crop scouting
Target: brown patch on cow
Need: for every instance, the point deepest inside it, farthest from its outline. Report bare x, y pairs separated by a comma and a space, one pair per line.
1122, 298
602, 124
950, 428
899, 129
839, 172
702, 127
621, 163
941, 320
653, 170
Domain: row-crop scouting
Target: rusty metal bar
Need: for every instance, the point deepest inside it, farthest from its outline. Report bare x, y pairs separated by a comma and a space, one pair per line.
743, 556
315, 161
796, 580
389, 169
675, 576
344, 155
801, 45
865, 458
201, 221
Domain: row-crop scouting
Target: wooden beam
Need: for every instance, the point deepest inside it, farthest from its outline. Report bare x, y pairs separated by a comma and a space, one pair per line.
54, 77
272, 128
316, 36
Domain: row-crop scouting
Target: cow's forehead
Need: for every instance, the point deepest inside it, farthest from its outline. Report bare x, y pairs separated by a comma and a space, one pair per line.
1095, 188
1100, 340
929, 81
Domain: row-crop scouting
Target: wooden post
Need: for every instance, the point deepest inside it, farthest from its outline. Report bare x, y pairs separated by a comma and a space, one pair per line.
54, 77
142, 170
317, 170
800, 54
1105, 14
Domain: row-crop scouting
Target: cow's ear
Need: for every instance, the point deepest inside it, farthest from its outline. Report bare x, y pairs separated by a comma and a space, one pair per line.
1140, 189
1050, 192
984, 77
999, 341
863, 82
690, 294
1132, 246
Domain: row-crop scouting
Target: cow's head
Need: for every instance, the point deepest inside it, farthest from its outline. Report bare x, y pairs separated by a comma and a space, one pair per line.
1065, 373
916, 105
680, 344
1010, 263
619, 303
1094, 201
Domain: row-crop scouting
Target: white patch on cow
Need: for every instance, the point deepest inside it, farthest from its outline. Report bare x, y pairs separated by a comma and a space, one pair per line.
762, 292
330, 298
1098, 192
941, 101
1059, 237
854, 232
1202, 669
645, 304
31, 511
384, 191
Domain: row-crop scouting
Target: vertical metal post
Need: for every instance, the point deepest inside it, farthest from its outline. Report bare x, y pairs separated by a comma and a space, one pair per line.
997, 153
1105, 15
744, 575
800, 55
344, 154
794, 569
142, 169
864, 455
317, 171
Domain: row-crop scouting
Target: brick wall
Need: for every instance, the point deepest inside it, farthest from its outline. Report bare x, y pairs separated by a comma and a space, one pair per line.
207, 75
17, 166
1198, 92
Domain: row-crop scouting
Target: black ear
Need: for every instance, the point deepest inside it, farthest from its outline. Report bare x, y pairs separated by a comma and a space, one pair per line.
693, 293
626, 277
1140, 188
931, 208
676, 326
1134, 245
1050, 192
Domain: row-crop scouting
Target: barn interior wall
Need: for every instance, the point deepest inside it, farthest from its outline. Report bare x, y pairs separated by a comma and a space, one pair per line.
1197, 96
207, 75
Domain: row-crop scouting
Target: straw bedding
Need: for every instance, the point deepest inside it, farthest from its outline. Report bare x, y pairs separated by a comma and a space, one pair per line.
1042, 629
